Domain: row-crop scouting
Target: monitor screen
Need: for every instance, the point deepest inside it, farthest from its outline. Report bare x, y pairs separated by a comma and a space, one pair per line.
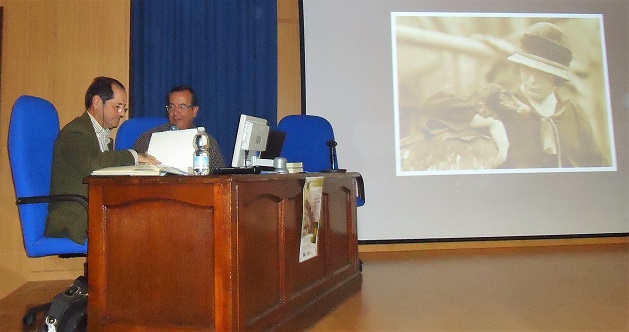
251, 139
274, 145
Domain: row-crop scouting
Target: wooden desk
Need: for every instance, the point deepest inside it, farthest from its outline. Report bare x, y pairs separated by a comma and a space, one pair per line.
177, 253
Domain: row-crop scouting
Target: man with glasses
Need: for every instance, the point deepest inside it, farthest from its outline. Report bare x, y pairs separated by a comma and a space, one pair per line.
84, 145
182, 108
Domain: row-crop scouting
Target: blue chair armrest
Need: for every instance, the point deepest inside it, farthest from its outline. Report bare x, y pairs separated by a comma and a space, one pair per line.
54, 198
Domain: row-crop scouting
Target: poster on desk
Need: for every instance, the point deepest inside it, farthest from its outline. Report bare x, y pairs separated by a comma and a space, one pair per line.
310, 222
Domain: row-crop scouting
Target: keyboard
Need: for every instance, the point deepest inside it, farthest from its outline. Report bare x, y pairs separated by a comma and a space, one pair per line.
237, 170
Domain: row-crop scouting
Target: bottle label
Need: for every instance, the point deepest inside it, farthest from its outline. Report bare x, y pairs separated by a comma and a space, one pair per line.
201, 165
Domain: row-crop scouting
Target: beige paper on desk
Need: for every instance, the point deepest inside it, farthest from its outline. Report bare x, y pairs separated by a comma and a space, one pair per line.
173, 148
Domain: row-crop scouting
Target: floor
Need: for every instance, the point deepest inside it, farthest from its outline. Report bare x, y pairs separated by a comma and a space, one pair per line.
577, 288
563, 288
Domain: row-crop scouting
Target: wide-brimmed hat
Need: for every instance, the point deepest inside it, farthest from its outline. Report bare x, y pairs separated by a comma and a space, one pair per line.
543, 46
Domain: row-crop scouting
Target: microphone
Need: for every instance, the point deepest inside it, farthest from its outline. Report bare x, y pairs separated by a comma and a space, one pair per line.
332, 144
333, 160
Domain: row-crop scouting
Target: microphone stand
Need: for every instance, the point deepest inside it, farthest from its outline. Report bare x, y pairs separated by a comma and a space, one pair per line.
333, 160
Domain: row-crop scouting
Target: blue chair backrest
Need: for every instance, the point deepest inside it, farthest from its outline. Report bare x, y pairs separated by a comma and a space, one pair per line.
33, 129
306, 141
130, 130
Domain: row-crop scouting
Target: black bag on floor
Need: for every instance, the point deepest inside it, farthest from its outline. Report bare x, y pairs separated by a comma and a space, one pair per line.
68, 310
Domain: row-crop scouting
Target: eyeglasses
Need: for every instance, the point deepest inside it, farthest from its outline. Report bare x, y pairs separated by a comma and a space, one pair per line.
183, 107
121, 108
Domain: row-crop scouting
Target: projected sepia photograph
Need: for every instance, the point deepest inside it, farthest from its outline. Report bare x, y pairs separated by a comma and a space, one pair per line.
481, 93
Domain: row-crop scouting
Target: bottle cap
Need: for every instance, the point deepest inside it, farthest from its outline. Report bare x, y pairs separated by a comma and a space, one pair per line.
200, 128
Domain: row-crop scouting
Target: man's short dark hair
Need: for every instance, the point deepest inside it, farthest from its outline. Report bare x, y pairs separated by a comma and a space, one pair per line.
103, 87
183, 88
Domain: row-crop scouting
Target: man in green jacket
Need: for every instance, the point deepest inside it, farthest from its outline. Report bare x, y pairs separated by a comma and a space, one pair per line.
84, 145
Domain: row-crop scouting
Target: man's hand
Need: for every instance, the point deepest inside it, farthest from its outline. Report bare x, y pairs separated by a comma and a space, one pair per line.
145, 158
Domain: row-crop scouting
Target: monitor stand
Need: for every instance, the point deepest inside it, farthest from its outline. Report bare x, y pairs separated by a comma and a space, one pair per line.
257, 161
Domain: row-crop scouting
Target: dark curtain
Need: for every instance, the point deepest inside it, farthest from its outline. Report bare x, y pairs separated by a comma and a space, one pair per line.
226, 50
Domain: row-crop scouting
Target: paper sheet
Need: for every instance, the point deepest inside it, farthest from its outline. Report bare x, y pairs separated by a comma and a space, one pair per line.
173, 148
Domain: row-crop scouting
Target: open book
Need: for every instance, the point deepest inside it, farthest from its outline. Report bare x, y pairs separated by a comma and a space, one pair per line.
142, 169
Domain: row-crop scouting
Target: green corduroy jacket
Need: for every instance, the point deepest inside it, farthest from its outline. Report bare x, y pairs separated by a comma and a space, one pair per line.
76, 155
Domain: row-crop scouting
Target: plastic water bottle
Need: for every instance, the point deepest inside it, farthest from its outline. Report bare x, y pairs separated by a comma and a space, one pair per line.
201, 156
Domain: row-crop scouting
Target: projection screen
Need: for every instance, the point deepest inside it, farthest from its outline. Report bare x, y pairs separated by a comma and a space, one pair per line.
476, 119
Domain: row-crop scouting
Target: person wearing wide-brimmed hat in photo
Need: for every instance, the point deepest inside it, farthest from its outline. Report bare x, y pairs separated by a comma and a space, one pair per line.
555, 131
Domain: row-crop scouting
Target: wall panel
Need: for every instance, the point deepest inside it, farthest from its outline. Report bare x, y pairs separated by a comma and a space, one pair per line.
52, 49
289, 59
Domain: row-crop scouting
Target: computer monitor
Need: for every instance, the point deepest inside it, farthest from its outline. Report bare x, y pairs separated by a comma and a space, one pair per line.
251, 139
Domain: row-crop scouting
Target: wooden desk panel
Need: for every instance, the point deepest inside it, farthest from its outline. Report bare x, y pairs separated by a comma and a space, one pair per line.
216, 253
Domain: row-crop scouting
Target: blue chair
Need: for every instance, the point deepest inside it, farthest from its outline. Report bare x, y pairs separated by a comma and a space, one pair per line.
33, 129
130, 130
307, 140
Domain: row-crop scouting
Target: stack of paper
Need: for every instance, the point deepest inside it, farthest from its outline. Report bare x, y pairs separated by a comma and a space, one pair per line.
296, 167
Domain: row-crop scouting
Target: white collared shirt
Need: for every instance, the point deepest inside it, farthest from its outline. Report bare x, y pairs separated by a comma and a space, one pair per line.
103, 135
547, 107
